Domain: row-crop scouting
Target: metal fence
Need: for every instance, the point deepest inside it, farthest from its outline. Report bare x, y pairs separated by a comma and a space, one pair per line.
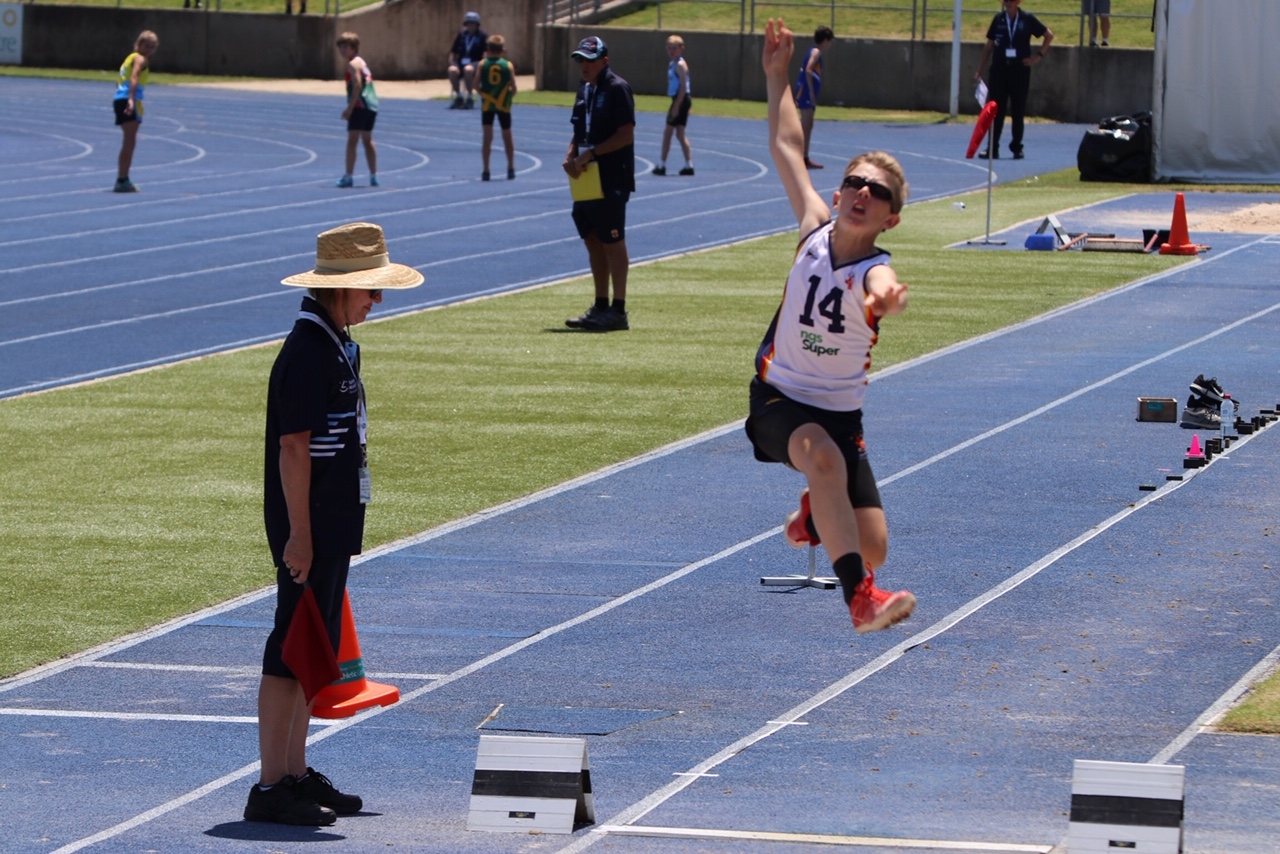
913, 15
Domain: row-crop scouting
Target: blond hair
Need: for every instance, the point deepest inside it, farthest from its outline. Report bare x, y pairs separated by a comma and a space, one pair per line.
674, 40
146, 37
496, 44
888, 164
351, 40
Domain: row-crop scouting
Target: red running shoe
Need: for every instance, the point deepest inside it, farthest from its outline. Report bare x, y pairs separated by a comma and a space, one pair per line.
873, 608
797, 527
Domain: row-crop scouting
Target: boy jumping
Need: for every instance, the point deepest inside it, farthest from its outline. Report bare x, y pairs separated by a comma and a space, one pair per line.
361, 111
811, 369
496, 83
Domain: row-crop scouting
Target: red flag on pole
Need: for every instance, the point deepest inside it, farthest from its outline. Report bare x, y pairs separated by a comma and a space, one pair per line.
985, 118
307, 650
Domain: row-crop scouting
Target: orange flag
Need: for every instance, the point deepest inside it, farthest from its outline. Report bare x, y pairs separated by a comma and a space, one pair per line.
985, 118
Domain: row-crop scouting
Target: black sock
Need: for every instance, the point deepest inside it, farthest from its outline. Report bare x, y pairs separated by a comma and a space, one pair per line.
849, 569
619, 305
602, 303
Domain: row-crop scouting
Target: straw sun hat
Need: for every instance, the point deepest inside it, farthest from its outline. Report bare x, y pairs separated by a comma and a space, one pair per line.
355, 256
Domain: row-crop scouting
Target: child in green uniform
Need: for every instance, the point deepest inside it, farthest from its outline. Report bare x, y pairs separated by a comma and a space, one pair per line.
496, 83
361, 111
134, 72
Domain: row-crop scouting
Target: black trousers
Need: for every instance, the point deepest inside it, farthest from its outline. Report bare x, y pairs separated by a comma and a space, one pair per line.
1010, 82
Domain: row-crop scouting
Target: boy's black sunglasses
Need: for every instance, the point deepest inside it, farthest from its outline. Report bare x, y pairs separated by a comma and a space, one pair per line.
857, 182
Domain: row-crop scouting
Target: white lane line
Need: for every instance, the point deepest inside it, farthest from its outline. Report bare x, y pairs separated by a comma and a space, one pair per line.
245, 670
140, 716
820, 839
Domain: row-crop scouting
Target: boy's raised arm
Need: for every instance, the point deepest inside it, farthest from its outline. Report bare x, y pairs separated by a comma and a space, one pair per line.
786, 138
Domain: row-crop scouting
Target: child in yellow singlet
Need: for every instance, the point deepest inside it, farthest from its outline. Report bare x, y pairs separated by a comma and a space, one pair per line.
496, 82
134, 72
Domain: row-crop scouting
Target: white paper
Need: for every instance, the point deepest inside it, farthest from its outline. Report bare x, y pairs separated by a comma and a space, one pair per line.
980, 92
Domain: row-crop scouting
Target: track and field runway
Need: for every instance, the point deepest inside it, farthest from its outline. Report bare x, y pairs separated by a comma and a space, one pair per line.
1063, 613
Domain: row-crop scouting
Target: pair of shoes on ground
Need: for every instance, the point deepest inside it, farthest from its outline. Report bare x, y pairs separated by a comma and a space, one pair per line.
511, 175
995, 154
871, 608
459, 104
600, 320
346, 181
124, 185
662, 170
1204, 406
309, 801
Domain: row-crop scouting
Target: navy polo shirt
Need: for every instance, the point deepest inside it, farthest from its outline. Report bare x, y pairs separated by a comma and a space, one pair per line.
468, 48
312, 388
1025, 26
611, 106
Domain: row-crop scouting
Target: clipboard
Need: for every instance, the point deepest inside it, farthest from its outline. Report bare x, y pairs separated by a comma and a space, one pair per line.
586, 187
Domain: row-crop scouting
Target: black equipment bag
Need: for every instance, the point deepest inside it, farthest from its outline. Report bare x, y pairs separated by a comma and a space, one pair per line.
1118, 149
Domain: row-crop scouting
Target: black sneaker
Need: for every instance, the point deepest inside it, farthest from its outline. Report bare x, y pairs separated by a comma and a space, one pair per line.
982, 155
320, 789
484, 176
1208, 389
1198, 415
659, 170
688, 170
580, 322
610, 320
284, 803
511, 174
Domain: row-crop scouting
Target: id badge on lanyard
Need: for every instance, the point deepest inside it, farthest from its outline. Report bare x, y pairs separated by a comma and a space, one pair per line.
350, 351
1010, 52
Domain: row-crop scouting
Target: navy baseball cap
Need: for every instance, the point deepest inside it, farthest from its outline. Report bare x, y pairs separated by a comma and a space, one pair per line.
592, 47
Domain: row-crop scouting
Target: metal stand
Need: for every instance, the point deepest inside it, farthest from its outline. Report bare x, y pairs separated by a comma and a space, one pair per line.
810, 580
987, 241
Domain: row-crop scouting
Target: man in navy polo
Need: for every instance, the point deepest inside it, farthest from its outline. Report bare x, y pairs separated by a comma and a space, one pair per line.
604, 125
1008, 47
464, 57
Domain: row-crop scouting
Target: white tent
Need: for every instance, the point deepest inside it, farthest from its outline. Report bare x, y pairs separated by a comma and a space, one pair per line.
1216, 105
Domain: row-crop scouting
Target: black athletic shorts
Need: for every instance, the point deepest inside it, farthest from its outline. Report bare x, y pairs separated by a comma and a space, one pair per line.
605, 218
328, 578
504, 118
119, 104
682, 115
774, 417
361, 119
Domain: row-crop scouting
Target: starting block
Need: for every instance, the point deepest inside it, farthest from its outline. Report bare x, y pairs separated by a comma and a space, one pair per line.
1126, 806
810, 580
527, 784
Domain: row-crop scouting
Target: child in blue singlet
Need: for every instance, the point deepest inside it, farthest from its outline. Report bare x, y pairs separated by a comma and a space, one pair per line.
811, 368
680, 91
134, 73
809, 84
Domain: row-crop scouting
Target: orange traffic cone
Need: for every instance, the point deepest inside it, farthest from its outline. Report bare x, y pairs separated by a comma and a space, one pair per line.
352, 691
1179, 241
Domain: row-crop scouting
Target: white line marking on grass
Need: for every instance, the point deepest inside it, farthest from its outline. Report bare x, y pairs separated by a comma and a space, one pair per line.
819, 839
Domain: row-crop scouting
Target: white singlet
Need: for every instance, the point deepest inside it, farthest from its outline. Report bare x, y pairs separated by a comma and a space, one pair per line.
818, 348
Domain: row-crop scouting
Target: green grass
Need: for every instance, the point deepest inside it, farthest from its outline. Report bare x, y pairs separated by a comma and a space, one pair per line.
1258, 713
124, 505
869, 19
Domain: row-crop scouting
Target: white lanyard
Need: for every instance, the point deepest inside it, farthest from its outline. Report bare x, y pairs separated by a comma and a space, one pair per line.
591, 99
1009, 25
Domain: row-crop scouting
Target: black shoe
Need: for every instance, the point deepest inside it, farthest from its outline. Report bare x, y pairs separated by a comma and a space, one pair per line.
1196, 415
982, 155
283, 803
659, 170
580, 322
1017, 155
457, 104
1208, 389
484, 176
688, 170
511, 174
610, 320
320, 789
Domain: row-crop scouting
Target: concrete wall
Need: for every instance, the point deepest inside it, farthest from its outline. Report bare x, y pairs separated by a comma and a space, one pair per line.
401, 39
1072, 85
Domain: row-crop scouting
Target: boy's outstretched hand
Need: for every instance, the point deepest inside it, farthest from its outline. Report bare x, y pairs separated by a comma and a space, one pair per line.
779, 44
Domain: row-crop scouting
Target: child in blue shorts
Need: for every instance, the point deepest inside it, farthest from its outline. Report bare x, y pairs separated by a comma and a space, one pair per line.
809, 84
361, 111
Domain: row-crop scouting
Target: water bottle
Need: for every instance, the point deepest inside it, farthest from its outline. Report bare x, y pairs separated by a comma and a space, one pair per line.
1227, 416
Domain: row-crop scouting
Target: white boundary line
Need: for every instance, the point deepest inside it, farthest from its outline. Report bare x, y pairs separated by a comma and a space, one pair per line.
820, 839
